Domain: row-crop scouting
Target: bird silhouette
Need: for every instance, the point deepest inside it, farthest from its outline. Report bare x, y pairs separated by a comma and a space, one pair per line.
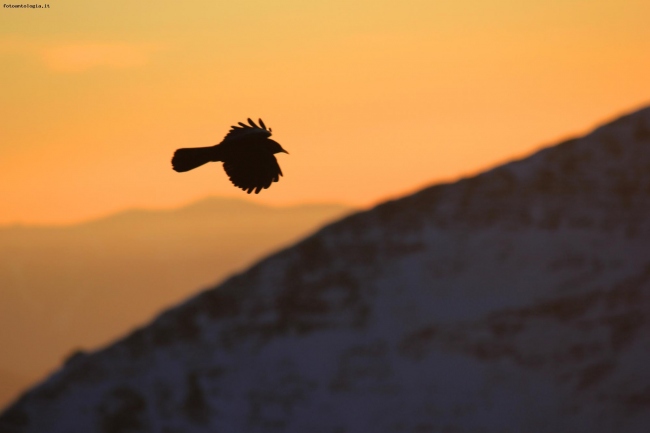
247, 156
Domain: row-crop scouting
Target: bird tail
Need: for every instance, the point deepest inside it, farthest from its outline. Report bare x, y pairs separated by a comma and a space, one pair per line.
190, 158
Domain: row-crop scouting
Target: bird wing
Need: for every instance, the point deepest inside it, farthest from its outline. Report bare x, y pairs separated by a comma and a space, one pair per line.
253, 172
247, 131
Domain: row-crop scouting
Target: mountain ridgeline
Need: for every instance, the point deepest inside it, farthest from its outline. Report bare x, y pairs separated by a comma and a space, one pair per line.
514, 300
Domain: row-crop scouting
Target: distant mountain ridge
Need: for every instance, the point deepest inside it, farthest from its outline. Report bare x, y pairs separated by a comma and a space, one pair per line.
212, 205
515, 300
78, 286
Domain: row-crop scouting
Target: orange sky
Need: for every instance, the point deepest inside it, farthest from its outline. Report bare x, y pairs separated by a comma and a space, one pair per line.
373, 99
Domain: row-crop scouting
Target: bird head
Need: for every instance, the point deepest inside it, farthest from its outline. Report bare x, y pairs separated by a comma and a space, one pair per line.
274, 146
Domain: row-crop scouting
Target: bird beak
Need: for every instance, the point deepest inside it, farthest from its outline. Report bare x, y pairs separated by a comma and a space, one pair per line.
284, 151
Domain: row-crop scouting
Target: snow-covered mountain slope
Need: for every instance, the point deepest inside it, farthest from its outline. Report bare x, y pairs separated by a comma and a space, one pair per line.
514, 301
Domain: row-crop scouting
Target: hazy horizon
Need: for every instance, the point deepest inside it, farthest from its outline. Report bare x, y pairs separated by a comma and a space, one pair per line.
171, 208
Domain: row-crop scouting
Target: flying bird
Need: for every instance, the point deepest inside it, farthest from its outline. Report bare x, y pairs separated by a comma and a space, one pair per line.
247, 156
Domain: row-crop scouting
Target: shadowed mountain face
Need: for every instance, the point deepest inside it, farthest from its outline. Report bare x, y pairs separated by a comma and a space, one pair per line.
64, 288
516, 300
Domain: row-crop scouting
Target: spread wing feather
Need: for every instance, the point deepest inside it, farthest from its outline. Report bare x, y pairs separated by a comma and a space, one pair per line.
244, 130
254, 172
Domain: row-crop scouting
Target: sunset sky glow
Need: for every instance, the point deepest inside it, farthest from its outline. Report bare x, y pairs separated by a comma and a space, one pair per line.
372, 99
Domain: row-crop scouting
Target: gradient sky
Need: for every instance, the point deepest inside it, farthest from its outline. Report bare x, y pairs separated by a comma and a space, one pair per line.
373, 99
